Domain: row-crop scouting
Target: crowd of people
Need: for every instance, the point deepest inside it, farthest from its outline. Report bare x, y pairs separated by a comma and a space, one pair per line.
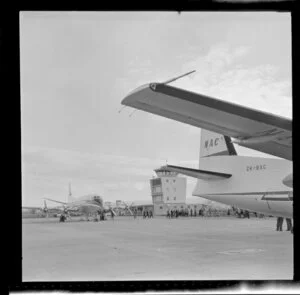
204, 211
175, 213
243, 213
210, 212
147, 214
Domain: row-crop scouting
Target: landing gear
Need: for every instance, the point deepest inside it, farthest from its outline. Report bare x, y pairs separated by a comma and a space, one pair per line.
62, 218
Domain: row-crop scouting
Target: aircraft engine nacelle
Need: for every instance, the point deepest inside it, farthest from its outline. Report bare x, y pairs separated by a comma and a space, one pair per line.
45, 209
288, 180
98, 199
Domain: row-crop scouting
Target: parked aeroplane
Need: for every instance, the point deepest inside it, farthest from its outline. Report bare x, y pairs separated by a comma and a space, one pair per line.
88, 205
258, 184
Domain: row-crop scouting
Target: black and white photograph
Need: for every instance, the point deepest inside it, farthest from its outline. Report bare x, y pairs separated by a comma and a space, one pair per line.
156, 145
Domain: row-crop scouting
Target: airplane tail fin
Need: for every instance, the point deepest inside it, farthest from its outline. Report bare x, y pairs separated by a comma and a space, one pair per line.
70, 197
211, 144
214, 144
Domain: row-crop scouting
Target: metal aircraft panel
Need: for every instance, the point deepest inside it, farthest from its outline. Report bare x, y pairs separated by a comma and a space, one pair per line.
216, 115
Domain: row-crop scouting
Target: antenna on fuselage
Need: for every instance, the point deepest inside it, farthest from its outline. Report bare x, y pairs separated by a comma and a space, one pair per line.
133, 112
122, 108
70, 193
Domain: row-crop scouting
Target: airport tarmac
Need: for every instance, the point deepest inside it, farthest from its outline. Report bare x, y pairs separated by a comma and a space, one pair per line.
210, 248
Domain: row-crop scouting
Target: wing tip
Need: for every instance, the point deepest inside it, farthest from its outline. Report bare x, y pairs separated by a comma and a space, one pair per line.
132, 95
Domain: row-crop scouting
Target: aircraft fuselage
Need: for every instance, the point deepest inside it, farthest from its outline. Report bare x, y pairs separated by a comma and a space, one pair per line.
256, 184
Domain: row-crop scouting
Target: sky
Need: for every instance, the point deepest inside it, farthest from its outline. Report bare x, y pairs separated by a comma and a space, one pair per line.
76, 67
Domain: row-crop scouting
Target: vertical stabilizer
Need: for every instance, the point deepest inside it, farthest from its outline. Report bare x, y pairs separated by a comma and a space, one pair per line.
69, 197
215, 144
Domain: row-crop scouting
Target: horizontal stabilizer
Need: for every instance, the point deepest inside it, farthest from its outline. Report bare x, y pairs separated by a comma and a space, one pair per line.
200, 174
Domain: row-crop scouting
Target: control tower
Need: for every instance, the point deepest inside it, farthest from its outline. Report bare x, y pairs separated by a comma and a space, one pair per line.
168, 191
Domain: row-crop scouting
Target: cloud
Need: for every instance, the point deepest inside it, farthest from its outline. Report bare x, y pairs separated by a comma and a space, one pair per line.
221, 73
140, 185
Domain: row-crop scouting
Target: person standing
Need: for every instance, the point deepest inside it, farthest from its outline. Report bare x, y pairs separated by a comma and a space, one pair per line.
279, 223
242, 214
288, 224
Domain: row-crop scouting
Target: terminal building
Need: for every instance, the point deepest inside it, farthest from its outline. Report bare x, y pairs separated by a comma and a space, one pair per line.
168, 191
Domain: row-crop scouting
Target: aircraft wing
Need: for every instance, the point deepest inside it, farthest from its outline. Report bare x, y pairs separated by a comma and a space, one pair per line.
200, 174
251, 128
56, 201
87, 205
